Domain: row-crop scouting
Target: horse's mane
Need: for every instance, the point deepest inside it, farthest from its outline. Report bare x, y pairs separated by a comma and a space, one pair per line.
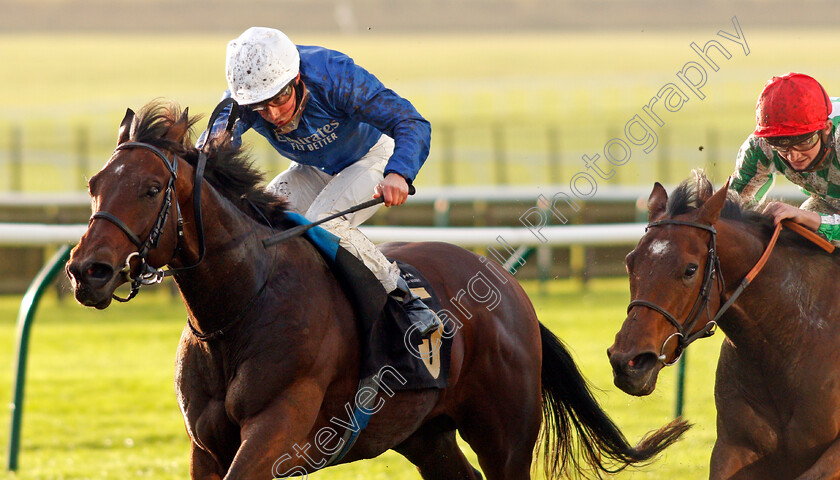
695, 190
229, 169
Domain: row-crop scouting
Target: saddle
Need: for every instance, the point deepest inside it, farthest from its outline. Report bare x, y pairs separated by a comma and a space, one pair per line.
391, 349
393, 356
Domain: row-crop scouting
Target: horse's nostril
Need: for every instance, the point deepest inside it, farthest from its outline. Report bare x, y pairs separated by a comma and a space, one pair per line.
643, 362
99, 271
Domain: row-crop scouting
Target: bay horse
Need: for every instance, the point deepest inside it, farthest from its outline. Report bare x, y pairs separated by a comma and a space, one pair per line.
271, 353
777, 387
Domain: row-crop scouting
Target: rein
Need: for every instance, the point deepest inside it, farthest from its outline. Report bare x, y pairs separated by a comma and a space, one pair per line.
713, 272
210, 336
148, 275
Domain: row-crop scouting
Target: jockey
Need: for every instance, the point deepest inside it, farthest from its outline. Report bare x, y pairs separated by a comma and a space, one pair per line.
349, 138
796, 135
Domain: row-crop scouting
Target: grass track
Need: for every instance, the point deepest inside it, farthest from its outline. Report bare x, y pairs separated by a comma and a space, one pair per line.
100, 401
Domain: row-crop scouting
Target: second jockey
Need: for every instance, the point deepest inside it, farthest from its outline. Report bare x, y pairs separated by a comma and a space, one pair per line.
796, 135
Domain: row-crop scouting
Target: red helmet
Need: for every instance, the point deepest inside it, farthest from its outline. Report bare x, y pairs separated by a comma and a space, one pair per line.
793, 104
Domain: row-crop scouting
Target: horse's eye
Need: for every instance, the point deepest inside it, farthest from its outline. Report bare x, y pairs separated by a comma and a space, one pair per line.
690, 270
153, 191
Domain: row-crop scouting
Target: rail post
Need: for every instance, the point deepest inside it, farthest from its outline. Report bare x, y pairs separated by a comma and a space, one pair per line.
499, 155
16, 159
678, 404
555, 160
82, 156
26, 315
447, 161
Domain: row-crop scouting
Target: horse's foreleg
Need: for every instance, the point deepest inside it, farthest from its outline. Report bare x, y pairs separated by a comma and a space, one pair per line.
437, 455
827, 466
728, 460
202, 465
275, 442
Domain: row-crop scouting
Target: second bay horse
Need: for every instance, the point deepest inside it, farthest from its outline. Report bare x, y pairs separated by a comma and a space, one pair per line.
777, 389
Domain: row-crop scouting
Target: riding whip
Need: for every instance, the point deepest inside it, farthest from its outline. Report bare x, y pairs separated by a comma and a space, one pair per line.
301, 229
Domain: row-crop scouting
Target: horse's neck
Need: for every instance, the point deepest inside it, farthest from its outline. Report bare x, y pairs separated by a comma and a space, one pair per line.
236, 267
779, 306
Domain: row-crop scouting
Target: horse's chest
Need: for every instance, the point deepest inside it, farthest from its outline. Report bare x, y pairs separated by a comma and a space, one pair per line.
775, 417
200, 391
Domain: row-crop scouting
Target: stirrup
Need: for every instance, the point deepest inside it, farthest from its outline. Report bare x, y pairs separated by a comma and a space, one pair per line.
420, 315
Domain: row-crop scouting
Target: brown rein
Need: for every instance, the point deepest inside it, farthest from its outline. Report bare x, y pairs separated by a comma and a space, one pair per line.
794, 227
810, 235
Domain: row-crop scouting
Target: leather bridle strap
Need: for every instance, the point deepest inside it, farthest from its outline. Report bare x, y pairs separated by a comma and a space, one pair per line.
120, 224
754, 271
700, 304
233, 115
147, 274
713, 266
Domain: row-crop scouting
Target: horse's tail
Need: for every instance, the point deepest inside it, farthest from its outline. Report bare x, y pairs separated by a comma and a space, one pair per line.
568, 404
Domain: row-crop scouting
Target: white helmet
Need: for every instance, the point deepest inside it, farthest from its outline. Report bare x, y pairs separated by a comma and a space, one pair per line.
259, 64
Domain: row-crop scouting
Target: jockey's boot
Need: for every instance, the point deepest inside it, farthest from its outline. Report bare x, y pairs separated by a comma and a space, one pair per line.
419, 314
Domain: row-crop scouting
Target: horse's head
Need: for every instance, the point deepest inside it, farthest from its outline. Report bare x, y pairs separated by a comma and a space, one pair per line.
674, 286
134, 227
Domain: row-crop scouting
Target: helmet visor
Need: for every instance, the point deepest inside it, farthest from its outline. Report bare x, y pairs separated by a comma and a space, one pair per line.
284, 95
800, 143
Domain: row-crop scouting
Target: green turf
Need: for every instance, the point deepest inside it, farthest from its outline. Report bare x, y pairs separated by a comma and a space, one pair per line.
100, 401
584, 86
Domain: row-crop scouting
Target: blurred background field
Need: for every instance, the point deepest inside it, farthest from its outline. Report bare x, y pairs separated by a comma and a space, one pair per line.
539, 101
100, 400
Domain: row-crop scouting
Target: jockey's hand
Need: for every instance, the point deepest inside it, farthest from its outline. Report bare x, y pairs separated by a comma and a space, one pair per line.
780, 211
394, 188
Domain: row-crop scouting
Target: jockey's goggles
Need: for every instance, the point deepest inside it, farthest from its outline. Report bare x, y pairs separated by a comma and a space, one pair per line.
799, 143
283, 96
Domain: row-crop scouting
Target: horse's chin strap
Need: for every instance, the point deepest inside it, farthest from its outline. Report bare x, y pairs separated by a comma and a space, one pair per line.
713, 271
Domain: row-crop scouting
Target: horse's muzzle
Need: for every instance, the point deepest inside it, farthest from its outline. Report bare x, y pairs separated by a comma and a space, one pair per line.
634, 373
93, 282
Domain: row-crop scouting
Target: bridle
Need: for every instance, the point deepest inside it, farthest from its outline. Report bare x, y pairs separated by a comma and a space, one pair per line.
701, 304
712, 273
148, 275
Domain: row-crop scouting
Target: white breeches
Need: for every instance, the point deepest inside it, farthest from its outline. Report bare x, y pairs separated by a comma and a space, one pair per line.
315, 195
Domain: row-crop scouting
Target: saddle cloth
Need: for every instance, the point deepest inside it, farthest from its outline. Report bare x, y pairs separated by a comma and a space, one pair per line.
391, 349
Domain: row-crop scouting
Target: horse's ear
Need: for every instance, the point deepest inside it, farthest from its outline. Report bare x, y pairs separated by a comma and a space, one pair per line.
178, 129
125, 126
656, 202
710, 211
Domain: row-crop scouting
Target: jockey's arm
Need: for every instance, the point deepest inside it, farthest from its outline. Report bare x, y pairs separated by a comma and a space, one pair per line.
753, 177
781, 211
829, 227
362, 96
824, 224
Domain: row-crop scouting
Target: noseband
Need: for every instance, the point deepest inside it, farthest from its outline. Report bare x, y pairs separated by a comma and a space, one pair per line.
712, 274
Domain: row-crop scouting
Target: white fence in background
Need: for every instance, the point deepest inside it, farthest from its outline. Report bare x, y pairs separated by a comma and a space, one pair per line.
424, 195
32, 234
